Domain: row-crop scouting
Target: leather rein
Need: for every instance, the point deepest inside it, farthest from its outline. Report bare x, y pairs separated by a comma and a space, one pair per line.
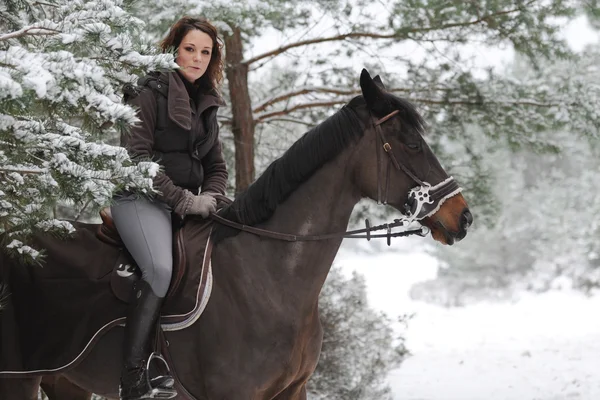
364, 233
353, 234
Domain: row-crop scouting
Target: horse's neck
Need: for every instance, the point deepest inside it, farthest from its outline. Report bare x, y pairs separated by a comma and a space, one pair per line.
321, 205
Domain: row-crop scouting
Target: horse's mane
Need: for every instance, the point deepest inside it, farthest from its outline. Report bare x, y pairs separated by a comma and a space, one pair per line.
4, 289
4, 293
309, 153
315, 148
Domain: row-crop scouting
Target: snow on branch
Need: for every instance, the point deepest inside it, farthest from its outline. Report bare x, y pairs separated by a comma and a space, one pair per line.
23, 170
29, 31
61, 108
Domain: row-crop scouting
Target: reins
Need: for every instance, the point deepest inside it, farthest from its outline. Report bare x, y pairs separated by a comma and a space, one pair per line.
353, 234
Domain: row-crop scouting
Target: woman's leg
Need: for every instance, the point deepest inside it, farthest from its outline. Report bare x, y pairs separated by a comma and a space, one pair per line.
145, 228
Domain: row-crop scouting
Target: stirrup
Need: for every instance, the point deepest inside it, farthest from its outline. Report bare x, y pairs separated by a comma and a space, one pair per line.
162, 381
164, 391
156, 393
156, 388
160, 393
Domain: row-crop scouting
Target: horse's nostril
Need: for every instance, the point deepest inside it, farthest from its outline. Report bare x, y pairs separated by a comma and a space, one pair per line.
466, 219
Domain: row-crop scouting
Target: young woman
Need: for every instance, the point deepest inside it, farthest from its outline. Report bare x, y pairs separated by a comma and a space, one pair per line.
179, 130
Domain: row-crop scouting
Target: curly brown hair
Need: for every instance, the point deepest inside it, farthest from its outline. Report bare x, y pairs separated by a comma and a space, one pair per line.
214, 73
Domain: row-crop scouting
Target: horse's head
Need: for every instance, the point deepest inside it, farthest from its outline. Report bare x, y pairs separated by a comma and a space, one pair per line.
394, 165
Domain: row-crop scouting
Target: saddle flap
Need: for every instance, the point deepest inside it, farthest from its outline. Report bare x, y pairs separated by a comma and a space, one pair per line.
107, 232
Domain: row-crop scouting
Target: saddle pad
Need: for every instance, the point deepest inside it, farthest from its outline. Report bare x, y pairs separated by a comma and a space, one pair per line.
57, 311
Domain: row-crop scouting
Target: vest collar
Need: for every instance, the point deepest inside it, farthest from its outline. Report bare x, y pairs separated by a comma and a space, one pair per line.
178, 101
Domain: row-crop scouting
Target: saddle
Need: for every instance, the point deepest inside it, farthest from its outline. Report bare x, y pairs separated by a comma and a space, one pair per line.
125, 272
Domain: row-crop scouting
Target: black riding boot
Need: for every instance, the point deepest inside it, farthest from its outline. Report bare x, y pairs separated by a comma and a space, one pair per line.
139, 328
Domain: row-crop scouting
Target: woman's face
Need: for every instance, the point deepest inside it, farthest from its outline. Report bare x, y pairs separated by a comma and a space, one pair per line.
193, 54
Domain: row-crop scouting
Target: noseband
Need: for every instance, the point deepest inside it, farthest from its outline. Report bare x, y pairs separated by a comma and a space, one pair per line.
423, 200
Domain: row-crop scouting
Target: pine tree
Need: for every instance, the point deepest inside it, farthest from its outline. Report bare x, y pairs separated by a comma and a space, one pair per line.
62, 66
421, 48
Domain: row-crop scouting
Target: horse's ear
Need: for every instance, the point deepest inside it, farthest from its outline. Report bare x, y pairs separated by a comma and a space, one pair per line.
378, 82
372, 93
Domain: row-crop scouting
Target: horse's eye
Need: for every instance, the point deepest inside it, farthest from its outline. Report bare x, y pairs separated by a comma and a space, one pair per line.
414, 146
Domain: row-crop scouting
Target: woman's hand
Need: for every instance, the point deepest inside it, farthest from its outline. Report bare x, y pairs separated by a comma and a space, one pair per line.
202, 204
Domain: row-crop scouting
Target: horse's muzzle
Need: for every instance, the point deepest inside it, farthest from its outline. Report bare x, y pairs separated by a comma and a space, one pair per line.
466, 219
453, 236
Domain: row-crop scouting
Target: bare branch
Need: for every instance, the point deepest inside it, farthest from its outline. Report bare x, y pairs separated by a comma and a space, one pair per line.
225, 119
286, 111
478, 103
34, 156
31, 30
299, 92
292, 120
396, 35
82, 210
42, 3
283, 49
308, 90
228, 117
262, 118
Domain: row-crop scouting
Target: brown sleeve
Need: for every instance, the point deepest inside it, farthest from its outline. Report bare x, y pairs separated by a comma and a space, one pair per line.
215, 170
140, 142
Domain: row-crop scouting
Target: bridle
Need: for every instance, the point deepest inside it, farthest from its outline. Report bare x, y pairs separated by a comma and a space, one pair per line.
423, 200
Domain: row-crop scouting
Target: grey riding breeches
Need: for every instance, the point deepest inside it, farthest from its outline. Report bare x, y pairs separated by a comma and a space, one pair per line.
145, 228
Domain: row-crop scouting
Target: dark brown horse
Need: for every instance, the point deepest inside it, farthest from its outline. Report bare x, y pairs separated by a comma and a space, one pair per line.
260, 335
58, 387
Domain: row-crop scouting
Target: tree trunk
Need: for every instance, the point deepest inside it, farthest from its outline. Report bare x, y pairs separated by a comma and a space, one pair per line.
243, 123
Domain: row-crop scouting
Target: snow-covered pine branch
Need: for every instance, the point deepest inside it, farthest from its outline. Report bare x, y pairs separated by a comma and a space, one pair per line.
60, 108
30, 30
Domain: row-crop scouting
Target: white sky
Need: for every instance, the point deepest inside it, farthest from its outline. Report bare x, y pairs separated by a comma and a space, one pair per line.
579, 34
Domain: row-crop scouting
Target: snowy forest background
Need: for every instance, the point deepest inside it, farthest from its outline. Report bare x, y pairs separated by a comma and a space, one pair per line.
512, 112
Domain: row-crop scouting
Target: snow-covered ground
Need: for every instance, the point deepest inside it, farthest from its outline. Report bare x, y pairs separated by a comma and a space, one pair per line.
541, 347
